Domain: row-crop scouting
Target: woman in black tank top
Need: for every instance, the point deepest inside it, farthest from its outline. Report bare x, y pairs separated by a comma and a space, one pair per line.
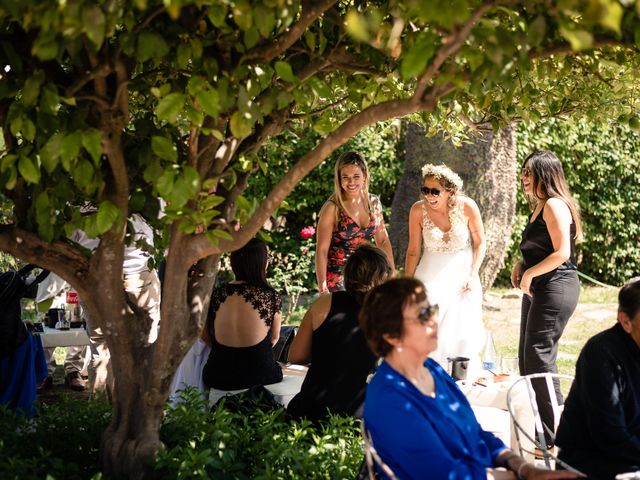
331, 340
547, 273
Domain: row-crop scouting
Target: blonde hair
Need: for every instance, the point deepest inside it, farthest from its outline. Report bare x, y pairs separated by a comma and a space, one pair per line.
349, 158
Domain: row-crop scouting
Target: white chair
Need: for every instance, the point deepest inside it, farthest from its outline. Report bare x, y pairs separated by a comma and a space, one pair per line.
372, 458
528, 428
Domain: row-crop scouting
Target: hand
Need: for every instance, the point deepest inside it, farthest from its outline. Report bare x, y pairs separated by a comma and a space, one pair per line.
515, 273
323, 290
525, 283
467, 284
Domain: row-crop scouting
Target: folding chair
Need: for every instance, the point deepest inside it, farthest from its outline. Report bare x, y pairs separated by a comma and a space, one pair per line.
371, 459
536, 437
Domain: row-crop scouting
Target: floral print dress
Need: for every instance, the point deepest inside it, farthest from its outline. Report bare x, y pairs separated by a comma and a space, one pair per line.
348, 236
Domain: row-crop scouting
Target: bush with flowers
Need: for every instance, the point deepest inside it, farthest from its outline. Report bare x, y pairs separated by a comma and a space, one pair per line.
292, 267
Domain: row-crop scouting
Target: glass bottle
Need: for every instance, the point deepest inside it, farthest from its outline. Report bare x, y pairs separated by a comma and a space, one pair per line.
489, 356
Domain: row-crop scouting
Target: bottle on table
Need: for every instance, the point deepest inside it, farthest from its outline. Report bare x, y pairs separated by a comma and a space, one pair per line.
489, 356
72, 307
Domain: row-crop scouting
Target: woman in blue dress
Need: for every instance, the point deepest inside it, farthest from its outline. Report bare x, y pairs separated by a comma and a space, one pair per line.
420, 422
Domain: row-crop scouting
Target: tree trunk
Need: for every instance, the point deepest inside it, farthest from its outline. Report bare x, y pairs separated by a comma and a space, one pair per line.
487, 167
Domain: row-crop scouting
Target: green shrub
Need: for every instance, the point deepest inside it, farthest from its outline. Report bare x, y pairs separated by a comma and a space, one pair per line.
62, 442
261, 445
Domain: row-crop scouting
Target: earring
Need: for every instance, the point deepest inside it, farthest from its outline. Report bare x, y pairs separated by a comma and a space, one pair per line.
399, 349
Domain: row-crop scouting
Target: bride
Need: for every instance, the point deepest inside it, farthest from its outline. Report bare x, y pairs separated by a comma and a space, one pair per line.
449, 226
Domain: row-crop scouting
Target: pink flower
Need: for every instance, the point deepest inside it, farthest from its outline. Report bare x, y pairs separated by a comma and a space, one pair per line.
304, 250
307, 232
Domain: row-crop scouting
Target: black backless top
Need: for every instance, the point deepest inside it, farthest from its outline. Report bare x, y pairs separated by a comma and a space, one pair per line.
536, 245
235, 368
340, 363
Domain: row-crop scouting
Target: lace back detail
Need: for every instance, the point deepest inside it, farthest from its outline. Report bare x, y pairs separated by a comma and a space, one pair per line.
456, 239
266, 302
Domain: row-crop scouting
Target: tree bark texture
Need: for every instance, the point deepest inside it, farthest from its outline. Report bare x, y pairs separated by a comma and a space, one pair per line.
487, 167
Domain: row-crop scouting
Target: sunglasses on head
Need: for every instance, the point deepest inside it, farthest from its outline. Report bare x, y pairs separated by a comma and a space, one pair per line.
425, 313
526, 171
430, 191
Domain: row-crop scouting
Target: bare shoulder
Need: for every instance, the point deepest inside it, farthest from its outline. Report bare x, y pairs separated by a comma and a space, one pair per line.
469, 204
557, 207
329, 208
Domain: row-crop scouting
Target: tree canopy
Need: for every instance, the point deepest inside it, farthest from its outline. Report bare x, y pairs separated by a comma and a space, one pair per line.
117, 103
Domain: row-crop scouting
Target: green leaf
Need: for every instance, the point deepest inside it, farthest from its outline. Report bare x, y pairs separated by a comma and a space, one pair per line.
416, 59
45, 217
265, 19
93, 22
284, 71
222, 234
50, 152
357, 26
208, 101
242, 14
164, 148
49, 100
240, 125
45, 47
579, 39
13, 178
151, 45
170, 107
7, 161
183, 55
537, 30
165, 183
91, 139
28, 169
83, 173
70, 149
28, 129
106, 216
31, 89
217, 14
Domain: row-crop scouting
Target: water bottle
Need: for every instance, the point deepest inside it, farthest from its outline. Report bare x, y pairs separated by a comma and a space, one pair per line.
489, 357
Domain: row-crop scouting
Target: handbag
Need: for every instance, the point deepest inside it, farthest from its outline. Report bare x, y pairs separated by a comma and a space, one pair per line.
281, 348
256, 397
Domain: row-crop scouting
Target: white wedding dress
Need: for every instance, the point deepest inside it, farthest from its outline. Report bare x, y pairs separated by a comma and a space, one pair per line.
443, 268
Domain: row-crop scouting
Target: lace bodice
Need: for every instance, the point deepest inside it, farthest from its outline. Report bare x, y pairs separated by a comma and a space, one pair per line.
456, 239
265, 301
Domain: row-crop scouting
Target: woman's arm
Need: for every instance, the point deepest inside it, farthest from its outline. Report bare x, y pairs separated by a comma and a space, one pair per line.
326, 226
382, 237
415, 240
557, 216
275, 328
476, 229
523, 470
516, 272
300, 350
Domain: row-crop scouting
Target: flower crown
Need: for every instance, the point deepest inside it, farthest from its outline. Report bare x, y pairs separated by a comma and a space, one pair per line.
442, 172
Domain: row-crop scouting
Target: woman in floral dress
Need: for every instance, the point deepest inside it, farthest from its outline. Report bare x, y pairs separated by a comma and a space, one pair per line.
447, 226
350, 217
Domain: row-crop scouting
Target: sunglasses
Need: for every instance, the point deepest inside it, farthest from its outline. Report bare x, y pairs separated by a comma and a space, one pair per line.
430, 191
425, 313
526, 172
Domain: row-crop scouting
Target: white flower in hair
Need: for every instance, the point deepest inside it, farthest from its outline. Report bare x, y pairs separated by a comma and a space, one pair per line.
442, 172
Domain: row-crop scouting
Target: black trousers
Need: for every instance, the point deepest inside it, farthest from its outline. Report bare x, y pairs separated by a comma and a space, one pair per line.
542, 321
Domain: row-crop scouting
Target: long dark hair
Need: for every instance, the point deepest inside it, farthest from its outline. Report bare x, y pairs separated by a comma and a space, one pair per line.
548, 181
249, 263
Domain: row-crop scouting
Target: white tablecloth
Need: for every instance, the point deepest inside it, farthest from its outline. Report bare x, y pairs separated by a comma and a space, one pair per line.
64, 338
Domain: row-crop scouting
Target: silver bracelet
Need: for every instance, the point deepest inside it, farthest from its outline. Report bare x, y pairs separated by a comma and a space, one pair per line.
519, 472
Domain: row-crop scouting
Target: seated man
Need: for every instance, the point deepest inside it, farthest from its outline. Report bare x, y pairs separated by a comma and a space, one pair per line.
599, 431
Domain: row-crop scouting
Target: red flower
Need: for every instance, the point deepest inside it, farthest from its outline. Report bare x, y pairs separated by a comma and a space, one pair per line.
307, 232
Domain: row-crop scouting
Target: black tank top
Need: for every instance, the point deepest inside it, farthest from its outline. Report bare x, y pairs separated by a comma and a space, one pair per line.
341, 360
536, 245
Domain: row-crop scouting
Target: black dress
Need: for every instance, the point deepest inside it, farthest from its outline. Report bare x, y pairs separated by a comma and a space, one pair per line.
340, 363
235, 368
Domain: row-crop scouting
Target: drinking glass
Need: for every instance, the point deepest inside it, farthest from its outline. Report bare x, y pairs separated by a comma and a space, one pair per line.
509, 365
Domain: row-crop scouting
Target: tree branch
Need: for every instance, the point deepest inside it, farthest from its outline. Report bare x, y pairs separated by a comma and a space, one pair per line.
101, 102
450, 45
201, 247
311, 10
100, 71
319, 110
565, 48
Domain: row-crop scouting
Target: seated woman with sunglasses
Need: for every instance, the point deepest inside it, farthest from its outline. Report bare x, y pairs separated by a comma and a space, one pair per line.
421, 424
447, 226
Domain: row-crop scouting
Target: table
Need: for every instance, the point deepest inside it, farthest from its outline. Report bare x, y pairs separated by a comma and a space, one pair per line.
489, 403
74, 337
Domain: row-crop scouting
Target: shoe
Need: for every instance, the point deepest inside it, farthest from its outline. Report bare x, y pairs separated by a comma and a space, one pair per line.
75, 382
46, 384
